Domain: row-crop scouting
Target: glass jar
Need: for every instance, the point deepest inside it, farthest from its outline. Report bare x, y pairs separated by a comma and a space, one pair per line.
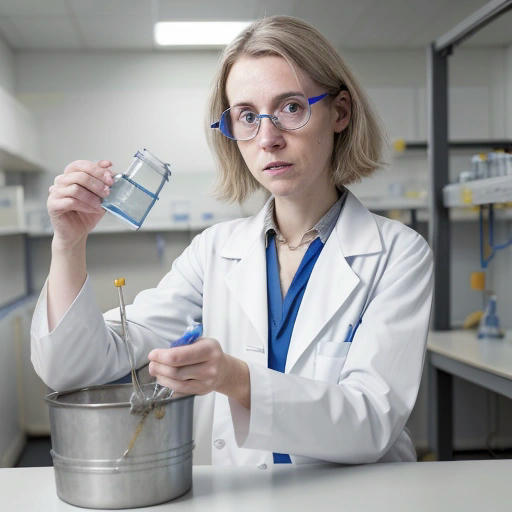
134, 193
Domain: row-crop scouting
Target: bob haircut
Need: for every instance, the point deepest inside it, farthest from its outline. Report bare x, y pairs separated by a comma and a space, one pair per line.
357, 149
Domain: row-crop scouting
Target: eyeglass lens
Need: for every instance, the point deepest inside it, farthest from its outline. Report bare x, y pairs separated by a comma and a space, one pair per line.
242, 122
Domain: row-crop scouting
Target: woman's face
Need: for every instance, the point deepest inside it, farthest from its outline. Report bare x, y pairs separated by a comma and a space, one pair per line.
302, 157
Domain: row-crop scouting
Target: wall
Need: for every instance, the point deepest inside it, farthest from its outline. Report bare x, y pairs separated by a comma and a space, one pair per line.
6, 67
11, 287
107, 104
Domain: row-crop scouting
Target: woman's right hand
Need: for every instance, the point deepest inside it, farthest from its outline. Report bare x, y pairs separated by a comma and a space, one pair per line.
74, 200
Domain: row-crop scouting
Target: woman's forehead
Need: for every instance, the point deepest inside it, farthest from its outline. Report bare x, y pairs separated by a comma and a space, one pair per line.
253, 79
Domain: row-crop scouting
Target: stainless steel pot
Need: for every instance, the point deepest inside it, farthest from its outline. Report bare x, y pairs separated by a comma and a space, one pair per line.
91, 429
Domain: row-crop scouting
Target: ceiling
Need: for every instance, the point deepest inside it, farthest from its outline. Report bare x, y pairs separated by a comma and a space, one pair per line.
127, 24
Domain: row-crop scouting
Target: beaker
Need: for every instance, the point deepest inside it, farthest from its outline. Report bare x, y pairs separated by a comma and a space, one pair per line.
134, 193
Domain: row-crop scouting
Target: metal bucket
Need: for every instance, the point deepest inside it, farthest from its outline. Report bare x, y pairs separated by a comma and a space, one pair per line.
91, 429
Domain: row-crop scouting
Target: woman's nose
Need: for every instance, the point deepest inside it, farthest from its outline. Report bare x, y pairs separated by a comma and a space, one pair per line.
269, 136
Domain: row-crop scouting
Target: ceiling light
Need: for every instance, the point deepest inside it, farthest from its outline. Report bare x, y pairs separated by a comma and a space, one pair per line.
197, 33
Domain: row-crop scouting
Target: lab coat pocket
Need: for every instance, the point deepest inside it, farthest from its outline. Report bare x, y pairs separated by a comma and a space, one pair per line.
330, 358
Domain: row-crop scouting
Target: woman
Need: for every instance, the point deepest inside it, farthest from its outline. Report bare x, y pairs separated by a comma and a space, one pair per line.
315, 311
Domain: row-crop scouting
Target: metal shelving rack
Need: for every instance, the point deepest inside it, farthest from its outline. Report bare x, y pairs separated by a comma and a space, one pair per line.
440, 439
438, 147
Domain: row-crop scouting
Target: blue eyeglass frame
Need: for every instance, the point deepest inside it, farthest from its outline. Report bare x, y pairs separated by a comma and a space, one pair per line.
219, 124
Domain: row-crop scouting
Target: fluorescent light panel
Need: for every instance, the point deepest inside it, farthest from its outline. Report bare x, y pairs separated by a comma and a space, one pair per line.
197, 33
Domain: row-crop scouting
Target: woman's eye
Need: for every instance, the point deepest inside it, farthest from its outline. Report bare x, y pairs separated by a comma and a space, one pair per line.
292, 108
248, 117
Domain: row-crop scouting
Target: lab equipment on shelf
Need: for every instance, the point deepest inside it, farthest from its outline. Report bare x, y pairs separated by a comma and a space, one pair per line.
490, 324
491, 165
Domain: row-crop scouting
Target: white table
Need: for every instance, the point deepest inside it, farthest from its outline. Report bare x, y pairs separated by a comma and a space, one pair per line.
487, 363
420, 486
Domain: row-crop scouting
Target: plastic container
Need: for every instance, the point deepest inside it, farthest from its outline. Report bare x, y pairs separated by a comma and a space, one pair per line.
134, 193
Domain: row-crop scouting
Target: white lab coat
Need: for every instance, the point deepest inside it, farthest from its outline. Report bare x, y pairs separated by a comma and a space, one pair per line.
337, 401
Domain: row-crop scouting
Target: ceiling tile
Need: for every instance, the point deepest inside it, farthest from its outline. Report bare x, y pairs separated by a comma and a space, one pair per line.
33, 7
219, 10
269, 8
46, 32
120, 31
346, 23
112, 7
496, 33
9, 32
444, 16
334, 19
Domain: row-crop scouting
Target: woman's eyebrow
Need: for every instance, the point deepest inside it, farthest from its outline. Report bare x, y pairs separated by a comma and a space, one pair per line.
276, 99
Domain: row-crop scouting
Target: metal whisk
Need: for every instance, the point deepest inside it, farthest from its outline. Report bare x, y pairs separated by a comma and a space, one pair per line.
138, 401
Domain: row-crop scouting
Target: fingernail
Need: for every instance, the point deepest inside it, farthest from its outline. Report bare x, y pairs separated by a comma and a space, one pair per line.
106, 190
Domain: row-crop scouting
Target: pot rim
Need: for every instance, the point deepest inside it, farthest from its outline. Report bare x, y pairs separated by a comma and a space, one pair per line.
52, 398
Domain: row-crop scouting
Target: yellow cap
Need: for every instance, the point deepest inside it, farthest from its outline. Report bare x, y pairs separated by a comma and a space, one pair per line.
477, 280
119, 282
399, 145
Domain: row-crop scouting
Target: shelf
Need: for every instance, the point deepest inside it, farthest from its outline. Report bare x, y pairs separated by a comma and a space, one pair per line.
487, 191
394, 203
456, 144
150, 228
11, 162
12, 231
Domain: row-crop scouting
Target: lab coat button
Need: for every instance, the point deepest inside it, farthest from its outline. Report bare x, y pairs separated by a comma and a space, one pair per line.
262, 466
219, 443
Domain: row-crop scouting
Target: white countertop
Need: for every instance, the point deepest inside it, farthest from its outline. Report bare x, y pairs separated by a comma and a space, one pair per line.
426, 486
494, 356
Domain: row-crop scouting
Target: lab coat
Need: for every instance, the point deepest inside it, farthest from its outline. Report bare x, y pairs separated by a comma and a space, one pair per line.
337, 401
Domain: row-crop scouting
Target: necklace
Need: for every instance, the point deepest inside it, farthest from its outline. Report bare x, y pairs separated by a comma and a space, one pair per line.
305, 239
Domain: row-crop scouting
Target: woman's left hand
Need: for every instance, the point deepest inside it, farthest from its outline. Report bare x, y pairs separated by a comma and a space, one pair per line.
200, 368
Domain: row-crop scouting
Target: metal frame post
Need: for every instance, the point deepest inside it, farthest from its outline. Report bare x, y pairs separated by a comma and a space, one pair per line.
439, 225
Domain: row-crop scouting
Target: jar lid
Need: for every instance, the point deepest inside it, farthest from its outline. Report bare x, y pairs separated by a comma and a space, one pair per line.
155, 163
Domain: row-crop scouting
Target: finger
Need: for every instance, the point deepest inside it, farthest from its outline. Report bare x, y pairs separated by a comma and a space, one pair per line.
77, 192
200, 371
178, 356
187, 387
86, 181
100, 172
68, 204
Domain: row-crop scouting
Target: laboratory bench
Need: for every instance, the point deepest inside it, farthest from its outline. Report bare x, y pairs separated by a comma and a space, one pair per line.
425, 486
484, 362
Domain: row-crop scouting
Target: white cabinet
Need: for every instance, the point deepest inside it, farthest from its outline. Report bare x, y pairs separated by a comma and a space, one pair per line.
19, 142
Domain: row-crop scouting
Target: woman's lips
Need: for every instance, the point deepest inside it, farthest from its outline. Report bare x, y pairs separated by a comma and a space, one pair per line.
277, 168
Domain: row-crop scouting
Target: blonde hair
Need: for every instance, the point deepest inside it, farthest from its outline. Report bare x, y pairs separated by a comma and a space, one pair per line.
357, 149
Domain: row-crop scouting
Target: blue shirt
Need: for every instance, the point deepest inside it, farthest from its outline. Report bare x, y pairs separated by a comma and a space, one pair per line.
282, 313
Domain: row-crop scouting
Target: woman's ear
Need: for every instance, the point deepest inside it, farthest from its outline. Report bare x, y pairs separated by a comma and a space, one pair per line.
342, 106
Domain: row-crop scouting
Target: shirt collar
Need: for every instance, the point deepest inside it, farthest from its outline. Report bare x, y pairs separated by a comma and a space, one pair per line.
322, 228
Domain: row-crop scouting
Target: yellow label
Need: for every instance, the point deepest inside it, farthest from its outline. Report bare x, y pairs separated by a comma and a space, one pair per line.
466, 195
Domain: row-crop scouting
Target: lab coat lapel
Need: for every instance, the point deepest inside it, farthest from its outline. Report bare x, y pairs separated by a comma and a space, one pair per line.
332, 281
247, 281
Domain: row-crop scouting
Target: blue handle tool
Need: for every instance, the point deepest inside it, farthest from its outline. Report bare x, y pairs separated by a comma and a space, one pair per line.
189, 337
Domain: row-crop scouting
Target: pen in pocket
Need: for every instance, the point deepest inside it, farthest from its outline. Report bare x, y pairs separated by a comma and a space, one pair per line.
352, 331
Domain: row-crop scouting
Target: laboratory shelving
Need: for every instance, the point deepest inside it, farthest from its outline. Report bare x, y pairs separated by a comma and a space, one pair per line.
438, 155
6, 231
11, 161
444, 197
120, 229
477, 192
489, 144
